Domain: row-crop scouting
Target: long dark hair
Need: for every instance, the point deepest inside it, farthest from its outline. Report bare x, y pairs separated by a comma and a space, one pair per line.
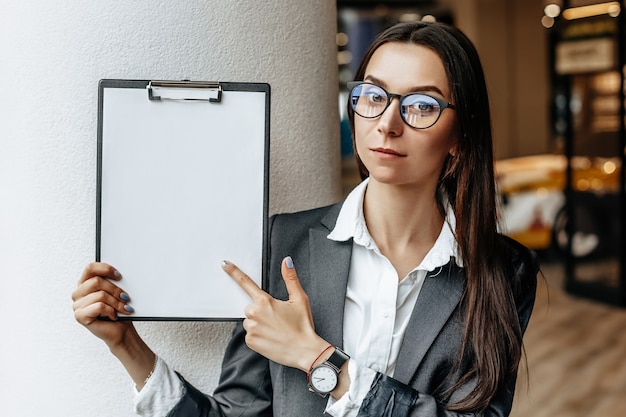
493, 336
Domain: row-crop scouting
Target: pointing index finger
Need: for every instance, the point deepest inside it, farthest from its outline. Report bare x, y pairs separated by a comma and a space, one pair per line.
244, 281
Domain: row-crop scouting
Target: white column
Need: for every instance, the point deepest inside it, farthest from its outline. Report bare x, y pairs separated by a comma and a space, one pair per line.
52, 54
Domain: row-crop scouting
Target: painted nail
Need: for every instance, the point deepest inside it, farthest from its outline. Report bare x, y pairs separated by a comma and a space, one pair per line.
224, 264
124, 297
128, 308
289, 262
117, 274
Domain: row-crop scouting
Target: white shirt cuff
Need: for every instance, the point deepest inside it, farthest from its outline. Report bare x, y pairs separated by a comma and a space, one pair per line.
162, 391
348, 405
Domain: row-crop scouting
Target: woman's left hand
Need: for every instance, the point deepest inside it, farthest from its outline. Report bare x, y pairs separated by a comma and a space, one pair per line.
282, 331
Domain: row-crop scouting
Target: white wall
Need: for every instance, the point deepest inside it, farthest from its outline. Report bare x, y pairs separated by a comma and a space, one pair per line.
52, 53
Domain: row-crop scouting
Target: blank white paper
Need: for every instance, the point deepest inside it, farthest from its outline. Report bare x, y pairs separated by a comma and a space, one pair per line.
182, 188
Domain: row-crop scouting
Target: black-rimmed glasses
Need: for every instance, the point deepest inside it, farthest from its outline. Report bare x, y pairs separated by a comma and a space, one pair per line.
418, 110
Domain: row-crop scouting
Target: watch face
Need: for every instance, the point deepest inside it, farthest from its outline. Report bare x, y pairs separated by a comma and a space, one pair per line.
324, 379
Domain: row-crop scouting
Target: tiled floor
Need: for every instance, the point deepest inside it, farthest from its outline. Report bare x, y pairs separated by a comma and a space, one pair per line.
576, 352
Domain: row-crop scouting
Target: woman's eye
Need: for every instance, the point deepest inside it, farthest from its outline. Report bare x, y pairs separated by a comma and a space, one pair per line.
376, 98
425, 107
422, 108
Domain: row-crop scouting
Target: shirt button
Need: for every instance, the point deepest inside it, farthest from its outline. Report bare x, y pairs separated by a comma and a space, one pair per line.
386, 315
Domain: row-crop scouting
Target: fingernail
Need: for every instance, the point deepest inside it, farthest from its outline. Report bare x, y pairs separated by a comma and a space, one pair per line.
289, 262
224, 264
128, 308
117, 274
124, 297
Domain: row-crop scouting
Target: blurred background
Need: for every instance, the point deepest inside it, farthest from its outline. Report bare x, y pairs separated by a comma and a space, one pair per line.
556, 83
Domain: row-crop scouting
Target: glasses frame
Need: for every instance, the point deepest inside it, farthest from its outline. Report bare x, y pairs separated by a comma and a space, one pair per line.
442, 103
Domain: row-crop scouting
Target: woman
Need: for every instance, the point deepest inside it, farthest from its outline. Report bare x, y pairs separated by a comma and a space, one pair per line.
406, 300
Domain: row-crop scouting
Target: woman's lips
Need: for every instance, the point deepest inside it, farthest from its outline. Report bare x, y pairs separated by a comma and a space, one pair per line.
385, 153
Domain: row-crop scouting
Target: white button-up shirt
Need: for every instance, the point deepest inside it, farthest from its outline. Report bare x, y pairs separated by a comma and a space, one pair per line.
377, 312
378, 302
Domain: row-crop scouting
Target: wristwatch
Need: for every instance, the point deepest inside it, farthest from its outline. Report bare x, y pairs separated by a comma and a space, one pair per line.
324, 377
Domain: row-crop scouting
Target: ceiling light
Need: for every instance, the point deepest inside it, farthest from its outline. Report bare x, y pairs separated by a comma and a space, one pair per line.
552, 10
547, 22
611, 8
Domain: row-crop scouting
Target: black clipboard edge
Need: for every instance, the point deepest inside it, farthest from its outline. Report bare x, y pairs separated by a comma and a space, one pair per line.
179, 319
226, 86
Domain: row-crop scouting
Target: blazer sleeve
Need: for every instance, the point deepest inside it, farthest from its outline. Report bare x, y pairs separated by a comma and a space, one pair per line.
244, 388
390, 398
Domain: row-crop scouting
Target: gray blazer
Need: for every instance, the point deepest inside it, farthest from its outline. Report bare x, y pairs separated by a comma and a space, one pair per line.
251, 385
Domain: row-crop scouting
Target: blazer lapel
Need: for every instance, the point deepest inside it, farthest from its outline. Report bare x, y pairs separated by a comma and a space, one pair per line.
330, 264
329, 267
438, 298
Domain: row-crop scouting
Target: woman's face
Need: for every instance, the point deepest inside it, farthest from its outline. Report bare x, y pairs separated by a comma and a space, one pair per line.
393, 152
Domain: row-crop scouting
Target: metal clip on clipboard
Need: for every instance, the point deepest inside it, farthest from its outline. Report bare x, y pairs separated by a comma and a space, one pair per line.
209, 91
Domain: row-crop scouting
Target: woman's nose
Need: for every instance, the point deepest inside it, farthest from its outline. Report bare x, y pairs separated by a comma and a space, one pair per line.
390, 122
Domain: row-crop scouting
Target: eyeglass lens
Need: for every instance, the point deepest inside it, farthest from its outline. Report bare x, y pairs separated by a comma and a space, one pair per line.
417, 110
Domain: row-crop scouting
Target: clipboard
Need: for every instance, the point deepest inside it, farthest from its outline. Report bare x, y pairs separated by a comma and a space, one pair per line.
182, 184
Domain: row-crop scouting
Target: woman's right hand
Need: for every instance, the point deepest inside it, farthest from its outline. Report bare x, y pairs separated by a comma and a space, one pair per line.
96, 296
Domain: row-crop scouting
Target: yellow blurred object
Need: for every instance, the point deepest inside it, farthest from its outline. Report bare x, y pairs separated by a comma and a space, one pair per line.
532, 191
534, 238
548, 172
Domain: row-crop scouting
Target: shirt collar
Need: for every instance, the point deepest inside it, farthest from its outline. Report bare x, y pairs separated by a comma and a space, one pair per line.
351, 215
351, 225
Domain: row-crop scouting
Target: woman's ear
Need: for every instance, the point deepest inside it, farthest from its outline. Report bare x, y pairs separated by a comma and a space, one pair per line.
454, 139
453, 149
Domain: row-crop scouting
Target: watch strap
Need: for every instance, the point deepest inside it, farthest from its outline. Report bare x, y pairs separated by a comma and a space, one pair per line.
338, 358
